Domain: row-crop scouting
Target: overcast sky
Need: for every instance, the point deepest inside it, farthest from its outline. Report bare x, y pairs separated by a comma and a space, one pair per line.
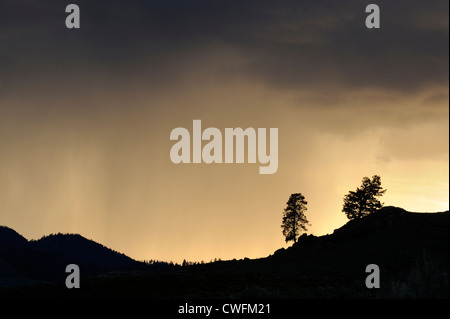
86, 114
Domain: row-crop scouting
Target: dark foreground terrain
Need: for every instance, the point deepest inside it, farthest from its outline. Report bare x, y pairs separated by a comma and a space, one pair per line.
411, 250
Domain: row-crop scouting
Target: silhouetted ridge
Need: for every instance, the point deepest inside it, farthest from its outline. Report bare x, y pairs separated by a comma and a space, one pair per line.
411, 250
384, 218
9, 237
23, 261
82, 251
381, 220
391, 236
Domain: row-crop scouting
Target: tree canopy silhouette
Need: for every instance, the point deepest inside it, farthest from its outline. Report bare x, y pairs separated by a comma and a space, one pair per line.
364, 201
294, 219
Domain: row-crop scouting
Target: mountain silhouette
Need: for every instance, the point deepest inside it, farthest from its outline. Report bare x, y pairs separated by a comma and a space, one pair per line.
411, 250
10, 238
82, 251
23, 261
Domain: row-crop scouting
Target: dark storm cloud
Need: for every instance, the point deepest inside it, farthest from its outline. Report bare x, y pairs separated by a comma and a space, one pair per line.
289, 44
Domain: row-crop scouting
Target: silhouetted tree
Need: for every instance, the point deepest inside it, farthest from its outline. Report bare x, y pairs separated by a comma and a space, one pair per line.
294, 219
363, 201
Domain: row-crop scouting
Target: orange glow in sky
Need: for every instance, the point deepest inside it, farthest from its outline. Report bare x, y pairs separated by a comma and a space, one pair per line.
86, 117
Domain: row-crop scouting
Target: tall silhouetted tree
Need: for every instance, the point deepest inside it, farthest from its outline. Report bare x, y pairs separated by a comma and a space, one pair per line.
364, 200
294, 219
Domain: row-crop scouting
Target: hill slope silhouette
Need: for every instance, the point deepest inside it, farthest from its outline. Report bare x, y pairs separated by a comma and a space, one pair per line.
83, 251
411, 250
9, 237
25, 262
